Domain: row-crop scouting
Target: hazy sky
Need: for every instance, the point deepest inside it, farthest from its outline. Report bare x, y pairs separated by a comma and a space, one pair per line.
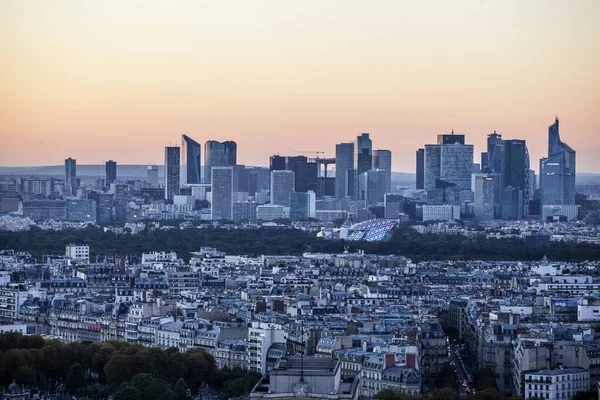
99, 80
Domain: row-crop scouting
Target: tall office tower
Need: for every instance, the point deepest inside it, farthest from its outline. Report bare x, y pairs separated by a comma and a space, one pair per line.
372, 185
344, 162
302, 205
71, 175
305, 173
276, 163
104, 207
393, 205
448, 162
171, 172
363, 152
491, 160
486, 195
382, 159
217, 154
512, 203
222, 193
120, 202
81, 210
230, 152
532, 184
557, 171
282, 184
190, 161
515, 173
111, 172
420, 169
152, 175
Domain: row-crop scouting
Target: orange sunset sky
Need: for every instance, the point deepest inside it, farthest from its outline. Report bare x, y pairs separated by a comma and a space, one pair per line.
99, 80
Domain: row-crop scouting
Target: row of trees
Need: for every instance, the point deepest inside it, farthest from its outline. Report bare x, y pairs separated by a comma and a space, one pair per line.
115, 367
405, 241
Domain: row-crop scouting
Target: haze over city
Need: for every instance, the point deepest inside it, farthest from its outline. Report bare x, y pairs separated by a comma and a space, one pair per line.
113, 80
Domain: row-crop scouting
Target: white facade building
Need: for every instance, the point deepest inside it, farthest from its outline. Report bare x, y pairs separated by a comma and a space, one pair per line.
441, 213
556, 384
79, 252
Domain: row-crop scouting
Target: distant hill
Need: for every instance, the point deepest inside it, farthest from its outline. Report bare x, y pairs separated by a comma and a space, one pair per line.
83, 170
134, 171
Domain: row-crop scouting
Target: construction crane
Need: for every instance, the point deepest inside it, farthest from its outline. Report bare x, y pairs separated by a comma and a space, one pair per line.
309, 151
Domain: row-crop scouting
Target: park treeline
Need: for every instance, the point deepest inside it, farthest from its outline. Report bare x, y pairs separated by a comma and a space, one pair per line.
277, 241
127, 371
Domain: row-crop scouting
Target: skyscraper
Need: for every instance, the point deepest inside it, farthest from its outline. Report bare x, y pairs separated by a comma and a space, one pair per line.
486, 195
491, 160
305, 173
382, 159
344, 162
363, 152
557, 171
111, 172
371, 185
222, 193
190, 160
152, 177
450, 162
217, 154
302, 205
282, 184
70, 175
420, 184
515, 174
172, 157
276, 163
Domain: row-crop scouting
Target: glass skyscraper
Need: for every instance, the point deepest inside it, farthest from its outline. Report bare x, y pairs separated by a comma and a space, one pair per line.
222, 193
382, 159
557, 171
344, 162
217, 154
111, 172
71, 175
172, 156
190, 160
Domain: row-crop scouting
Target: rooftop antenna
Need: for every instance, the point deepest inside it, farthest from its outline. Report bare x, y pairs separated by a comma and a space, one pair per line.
453, 131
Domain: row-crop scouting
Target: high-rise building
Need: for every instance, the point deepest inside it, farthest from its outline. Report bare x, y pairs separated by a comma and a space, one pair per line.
120, 202
512, 203
515, 173
244, 211
557, 171
111, 172
382, 159
222, 193
302, 205
344, 162
282, 184
420, 184
276, 163
172, 170
104, 207
152, 175
305, 173
83, 210
363, 153
486, 195
393, 205
448, 162
190, 161
217, 154
71, 175
372, 185
491, 160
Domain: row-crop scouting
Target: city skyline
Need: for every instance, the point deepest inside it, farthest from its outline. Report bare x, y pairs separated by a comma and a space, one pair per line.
273, 82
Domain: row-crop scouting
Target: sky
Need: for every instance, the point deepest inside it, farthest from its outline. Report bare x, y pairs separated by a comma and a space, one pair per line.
99, 80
